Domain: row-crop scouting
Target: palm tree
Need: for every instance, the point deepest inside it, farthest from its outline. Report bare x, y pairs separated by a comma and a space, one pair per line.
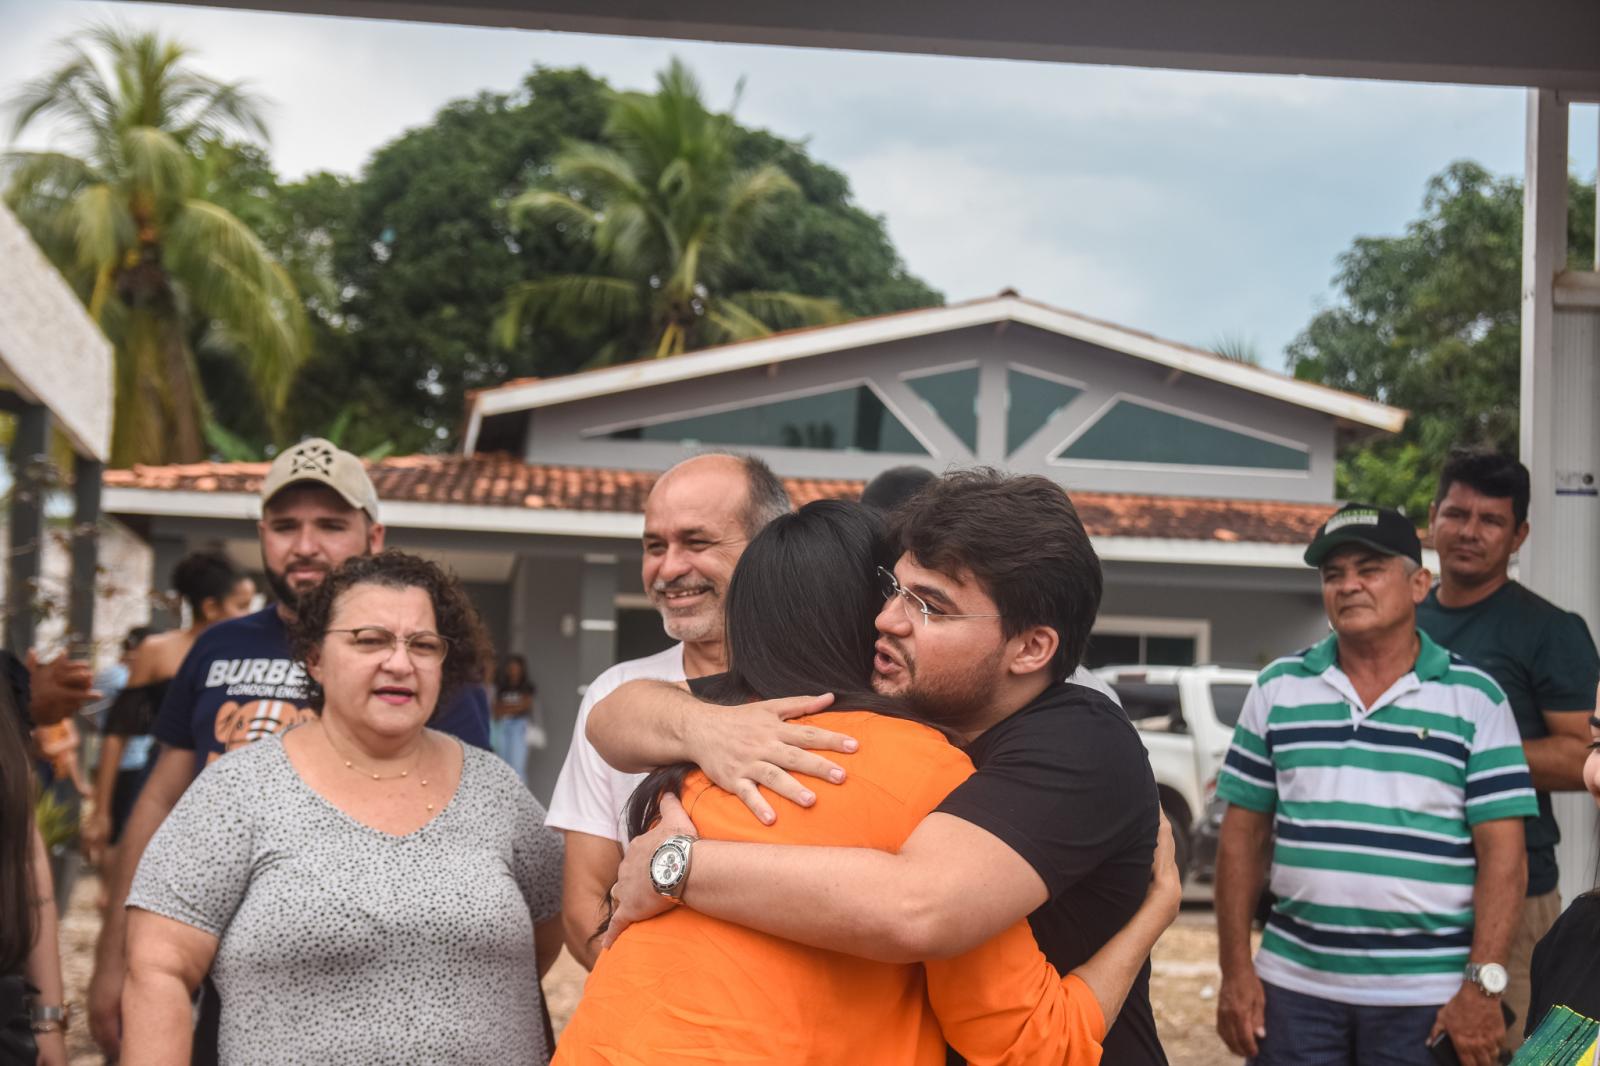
121, 212
669, 214
1237, 348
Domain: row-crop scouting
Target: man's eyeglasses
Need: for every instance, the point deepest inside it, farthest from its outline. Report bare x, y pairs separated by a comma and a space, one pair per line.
911, 601
423, 647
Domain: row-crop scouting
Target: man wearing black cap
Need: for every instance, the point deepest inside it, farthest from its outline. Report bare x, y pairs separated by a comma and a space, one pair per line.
1392, 778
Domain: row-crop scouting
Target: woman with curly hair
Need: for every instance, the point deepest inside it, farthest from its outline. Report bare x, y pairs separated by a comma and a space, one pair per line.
362, 888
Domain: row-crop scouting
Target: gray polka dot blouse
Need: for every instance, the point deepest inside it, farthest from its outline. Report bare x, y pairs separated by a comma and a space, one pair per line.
342, 944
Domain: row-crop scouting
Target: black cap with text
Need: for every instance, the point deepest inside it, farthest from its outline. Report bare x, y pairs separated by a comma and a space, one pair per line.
1379, 528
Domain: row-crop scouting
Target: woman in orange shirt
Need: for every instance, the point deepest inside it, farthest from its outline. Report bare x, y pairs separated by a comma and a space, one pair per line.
685, 988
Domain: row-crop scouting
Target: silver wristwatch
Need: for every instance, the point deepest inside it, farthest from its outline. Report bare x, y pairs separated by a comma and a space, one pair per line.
669, 867
1490, 977
48, 1019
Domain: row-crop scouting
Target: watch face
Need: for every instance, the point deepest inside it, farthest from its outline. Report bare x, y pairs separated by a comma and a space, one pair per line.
667, 866
1493, 978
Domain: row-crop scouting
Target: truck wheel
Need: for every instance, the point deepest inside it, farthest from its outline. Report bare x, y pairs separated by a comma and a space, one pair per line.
1177, 813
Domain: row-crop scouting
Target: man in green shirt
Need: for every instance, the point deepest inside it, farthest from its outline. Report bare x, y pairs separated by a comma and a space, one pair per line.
1542, 656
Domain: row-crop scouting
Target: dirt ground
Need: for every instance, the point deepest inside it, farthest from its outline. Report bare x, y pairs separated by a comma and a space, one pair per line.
1183, 984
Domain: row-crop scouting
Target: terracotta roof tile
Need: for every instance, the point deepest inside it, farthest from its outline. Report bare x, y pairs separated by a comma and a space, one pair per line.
497, 480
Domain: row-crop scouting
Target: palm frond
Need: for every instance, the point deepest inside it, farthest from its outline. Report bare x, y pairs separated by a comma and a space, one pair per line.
602, 301
552, 206
788, 310
231, 278
753, 197
103, 228
728, 322
598, 168
157, 166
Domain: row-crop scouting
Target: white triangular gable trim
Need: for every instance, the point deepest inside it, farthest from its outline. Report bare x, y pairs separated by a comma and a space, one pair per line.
905, 325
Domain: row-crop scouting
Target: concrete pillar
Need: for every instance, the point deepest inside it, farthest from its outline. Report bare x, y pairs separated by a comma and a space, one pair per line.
1560, 435
31, 479
86, 475
597, 615
166, 553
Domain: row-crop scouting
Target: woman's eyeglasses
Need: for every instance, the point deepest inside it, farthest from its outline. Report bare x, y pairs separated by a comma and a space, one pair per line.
424, 647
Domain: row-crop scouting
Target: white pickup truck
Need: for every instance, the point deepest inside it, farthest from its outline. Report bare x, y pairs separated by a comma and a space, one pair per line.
1185, 716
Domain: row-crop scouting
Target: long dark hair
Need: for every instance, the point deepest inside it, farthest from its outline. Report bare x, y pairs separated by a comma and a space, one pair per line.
524, 683
16, 838
799, 621
202, 576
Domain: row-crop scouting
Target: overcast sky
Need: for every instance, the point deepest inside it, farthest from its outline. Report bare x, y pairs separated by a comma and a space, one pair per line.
1194, 206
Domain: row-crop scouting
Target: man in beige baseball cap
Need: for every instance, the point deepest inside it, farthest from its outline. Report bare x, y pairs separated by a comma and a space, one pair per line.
240, 683
320, 461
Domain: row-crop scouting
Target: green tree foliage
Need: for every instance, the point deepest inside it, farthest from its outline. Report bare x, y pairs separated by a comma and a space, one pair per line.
422, 253
669, 215
1431, 321
128, 211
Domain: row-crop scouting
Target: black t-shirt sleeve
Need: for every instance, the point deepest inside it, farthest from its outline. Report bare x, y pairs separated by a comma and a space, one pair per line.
1068, 788
1566, 965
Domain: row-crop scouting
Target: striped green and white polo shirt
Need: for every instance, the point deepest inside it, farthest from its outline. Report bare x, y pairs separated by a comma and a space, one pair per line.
1373, 864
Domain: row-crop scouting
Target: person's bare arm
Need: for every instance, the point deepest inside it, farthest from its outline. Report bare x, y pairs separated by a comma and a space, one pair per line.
169, 778
587, 874
645, 724
96, 830
1242, 862
1556, 761
44, 958
548, 936
1473, 1019
166, 962
892, 907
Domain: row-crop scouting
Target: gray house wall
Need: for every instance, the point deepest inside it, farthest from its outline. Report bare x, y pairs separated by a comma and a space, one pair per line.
1255, 616
575, 433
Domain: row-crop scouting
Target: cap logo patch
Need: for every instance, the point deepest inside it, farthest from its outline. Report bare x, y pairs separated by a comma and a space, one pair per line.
313, 460
1351, 518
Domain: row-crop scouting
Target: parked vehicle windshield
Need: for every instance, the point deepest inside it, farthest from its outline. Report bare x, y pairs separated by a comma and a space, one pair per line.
1227, 701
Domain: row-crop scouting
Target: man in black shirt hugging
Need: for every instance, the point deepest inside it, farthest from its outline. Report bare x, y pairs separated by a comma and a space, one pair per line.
986, 615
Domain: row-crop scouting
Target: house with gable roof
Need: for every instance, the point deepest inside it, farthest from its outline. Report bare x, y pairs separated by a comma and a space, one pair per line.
1200, 479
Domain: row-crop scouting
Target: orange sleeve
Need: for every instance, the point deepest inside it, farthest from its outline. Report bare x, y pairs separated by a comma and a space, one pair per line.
1003, 1004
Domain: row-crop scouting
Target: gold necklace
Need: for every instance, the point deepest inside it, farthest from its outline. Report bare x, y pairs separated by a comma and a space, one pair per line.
350, 765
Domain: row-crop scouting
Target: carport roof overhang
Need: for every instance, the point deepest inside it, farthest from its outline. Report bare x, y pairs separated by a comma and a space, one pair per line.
1554, 44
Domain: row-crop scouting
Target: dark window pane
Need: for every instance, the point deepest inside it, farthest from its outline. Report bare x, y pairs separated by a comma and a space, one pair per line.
1108, 649
954, 398
1133, 433
640, 633
844, 420
1142, 701
1030, 403
1228, 701
1169, 651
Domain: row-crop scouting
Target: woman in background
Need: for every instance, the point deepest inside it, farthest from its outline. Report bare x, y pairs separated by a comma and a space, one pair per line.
513, 709
215, 592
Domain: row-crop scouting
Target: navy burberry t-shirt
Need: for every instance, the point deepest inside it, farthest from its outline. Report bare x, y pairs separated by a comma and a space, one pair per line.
239, 683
